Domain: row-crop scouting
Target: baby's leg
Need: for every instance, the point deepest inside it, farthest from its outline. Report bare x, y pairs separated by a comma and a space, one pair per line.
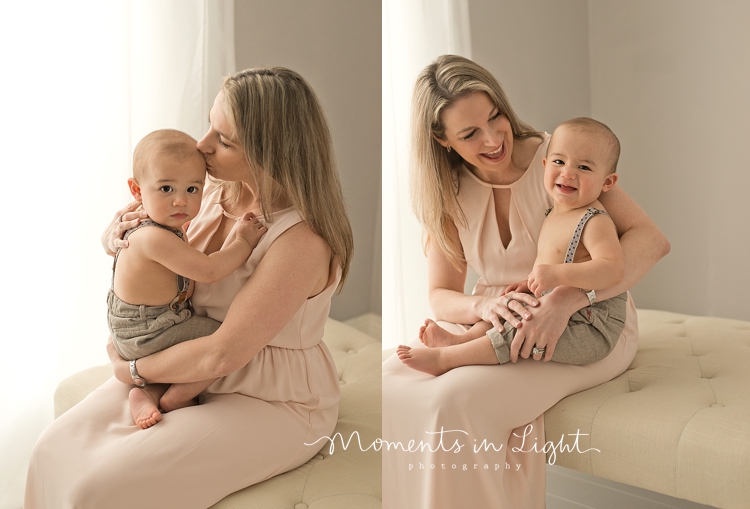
183, 395
437, 361
144, 404
432, 335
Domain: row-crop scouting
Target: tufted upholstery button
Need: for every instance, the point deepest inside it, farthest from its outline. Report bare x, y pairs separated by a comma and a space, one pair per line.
716, 405
341, 382
300, 506
351, 351
318, 457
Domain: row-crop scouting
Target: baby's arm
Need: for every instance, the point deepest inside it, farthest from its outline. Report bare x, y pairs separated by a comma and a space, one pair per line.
605, 269
166, 249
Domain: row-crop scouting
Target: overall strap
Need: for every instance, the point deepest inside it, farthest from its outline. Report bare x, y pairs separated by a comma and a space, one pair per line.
183, 283
590, 212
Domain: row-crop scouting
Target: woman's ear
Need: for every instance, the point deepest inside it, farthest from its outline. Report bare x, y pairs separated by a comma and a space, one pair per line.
609, 182
135, 190
442, 142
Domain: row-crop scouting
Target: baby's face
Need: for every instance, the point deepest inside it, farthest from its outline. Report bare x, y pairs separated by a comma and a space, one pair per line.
172, 188
577, 168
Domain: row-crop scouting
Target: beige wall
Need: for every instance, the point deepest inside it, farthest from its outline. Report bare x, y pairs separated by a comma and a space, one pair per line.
335, 45
672, 79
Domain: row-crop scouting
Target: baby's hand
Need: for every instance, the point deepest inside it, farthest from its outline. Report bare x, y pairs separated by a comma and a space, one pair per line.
543, 278
521, 286
250, 229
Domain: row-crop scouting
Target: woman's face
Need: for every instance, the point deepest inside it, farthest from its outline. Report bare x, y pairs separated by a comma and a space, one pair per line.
475, 128
225, 157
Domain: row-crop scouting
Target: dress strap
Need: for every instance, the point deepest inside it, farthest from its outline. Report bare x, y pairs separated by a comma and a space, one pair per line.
183, 283
590, 212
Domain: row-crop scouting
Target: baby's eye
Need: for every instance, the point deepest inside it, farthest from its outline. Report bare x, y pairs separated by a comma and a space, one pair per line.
584, 167
165, 189
558, 161
192, 189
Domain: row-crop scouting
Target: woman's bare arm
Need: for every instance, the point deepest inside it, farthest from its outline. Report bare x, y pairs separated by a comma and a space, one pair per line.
643, 244
449, 302
295, 267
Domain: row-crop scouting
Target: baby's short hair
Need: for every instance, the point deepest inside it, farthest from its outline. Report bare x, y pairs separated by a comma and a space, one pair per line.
163, 142
591, 126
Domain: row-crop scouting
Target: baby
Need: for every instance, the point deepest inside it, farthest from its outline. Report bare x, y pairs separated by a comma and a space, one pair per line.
148, 309
580, 164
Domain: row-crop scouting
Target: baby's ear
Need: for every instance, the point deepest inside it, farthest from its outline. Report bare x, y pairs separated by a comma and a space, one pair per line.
135, 190
609, 182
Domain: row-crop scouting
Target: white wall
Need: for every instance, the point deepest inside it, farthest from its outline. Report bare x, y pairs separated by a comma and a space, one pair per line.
671, 78
335, 46
538, 50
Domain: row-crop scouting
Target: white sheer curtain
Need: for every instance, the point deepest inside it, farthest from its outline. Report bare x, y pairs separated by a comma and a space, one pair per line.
82, 82
414, 33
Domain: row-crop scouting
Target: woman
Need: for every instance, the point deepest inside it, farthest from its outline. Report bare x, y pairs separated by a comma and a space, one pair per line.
478, 190
278, 388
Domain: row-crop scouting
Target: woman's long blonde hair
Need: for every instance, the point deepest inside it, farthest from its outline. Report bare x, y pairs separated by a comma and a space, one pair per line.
278, 120
434, 170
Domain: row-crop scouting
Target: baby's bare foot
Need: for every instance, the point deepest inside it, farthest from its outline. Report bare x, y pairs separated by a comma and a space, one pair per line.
143, 407
428, 360
433, 335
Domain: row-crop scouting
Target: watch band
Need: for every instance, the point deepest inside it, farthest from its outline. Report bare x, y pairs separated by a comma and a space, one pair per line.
591, 294
138, 380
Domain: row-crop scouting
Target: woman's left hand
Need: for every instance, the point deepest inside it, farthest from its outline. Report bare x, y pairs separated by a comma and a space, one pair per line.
120, 366
547, 323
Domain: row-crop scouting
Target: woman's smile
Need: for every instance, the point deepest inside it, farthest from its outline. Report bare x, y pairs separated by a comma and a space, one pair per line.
496, 155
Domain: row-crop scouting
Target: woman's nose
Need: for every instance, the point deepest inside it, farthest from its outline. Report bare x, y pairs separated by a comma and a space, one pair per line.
203, 144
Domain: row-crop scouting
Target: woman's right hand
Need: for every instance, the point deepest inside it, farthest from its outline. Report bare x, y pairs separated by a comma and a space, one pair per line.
124, 220
507, 308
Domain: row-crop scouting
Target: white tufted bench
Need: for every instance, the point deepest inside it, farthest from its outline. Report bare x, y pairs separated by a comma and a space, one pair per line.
346, 479
678, 420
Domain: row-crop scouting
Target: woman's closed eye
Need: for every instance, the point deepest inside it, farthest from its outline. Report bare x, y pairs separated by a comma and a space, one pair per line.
222, 143
468, 136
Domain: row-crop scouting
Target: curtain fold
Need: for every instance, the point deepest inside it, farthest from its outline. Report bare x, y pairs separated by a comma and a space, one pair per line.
83, 81
414, 34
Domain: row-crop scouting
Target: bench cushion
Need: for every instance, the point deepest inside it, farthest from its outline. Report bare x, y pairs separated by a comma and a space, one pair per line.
677, 421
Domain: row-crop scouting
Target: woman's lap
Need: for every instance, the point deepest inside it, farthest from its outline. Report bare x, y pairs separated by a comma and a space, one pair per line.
94, 455
480, 403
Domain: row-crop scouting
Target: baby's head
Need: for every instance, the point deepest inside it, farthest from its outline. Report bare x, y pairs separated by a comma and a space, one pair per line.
168, 177
581, 162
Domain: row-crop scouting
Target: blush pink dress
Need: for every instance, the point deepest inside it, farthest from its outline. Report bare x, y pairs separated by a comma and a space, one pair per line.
251, 425
465, 424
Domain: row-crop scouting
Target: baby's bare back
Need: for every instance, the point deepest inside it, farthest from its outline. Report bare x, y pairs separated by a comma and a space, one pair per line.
140, 280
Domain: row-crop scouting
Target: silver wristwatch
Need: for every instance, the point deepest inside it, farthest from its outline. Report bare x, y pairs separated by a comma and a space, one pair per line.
138, 380
591, 294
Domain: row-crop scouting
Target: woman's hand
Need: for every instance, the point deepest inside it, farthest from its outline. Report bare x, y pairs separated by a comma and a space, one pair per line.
124, 220
547, 323
120, 366
507, 308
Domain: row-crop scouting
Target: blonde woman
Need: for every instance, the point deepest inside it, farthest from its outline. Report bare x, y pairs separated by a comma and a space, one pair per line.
478, 191
278, 389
